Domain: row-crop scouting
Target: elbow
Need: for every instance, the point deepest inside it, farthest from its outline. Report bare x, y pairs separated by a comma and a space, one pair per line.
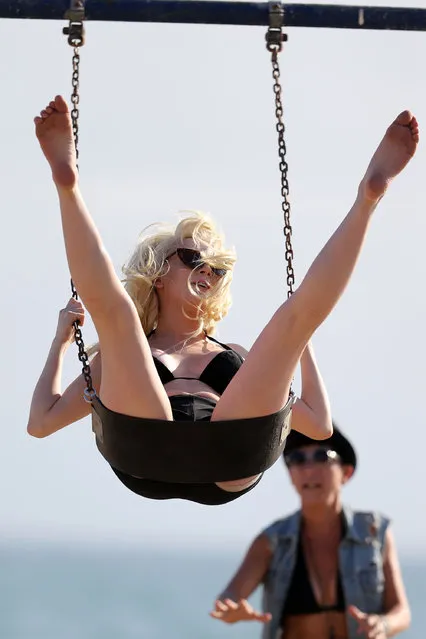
407, 619
327, 430
35, 429
314, 422
323, 428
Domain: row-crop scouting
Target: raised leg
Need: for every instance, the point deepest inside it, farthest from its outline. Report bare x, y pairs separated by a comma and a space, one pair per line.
130, 383
262, 384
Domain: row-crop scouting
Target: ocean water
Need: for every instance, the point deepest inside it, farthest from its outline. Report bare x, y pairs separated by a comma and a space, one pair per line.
75, 593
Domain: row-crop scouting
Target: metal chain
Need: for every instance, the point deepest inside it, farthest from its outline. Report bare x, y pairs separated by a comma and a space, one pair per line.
274, 39
282, 150
75, 97
75, 33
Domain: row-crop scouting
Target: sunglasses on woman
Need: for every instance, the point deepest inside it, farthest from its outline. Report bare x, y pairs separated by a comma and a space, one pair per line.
193, 259
317, 456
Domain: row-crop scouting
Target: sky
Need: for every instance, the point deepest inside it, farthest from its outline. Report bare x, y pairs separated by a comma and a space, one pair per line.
178, 117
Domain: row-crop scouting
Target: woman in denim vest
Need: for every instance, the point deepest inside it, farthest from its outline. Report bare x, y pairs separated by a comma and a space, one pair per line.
327, 571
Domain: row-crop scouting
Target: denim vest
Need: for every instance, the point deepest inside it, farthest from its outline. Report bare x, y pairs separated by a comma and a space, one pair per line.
360, 565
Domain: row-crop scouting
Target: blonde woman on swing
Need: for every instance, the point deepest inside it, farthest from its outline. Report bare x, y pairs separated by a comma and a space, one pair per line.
157, 359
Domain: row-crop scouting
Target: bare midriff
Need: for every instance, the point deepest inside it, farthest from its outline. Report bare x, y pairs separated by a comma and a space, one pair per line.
190, 387
329, 625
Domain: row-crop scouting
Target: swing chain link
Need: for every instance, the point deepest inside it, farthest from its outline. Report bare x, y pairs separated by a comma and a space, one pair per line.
82, 355
75, 98
274, 39
75, 33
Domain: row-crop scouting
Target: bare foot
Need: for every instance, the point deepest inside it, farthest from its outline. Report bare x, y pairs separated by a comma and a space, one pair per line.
54, 133
392, 156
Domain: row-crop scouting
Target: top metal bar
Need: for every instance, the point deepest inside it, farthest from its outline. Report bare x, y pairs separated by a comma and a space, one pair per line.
223, 12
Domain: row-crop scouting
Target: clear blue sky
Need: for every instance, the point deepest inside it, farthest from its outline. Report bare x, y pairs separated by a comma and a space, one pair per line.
176, 117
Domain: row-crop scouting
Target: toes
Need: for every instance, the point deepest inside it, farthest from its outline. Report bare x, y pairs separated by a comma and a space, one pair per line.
414, 125
47, 111
60, 104
405, 118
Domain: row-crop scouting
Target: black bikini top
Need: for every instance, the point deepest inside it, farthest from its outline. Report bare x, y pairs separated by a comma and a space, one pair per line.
301, 599
218, 372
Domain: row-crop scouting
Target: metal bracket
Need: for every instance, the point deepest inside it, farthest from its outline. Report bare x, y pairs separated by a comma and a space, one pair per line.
274, 36
75, 30
76, 12
89, 395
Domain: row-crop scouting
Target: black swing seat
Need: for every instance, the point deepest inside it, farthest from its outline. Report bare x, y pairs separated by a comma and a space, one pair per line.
190, 452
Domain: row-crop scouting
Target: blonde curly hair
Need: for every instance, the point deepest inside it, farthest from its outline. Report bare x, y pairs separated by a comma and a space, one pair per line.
149, 262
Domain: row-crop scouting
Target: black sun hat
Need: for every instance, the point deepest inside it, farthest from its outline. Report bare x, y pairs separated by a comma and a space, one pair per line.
337, 442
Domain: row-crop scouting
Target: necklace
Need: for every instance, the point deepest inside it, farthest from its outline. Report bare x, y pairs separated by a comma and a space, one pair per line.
175, 347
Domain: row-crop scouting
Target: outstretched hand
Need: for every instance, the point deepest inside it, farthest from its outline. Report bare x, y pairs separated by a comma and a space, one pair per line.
369, 626
231, 611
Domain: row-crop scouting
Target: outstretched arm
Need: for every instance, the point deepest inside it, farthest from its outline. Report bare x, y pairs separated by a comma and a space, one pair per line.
311, 413
51, 409
232, 605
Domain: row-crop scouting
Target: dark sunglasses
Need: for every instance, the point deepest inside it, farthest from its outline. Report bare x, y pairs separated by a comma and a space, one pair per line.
193, 259
318, 456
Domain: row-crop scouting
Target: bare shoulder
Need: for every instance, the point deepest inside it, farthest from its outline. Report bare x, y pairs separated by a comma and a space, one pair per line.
390, 549
258, 556
239, 349
261, 545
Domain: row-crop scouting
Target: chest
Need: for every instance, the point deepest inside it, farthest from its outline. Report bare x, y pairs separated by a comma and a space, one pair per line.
360, 566
202, 367
189, 365
190, 362
321, 558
